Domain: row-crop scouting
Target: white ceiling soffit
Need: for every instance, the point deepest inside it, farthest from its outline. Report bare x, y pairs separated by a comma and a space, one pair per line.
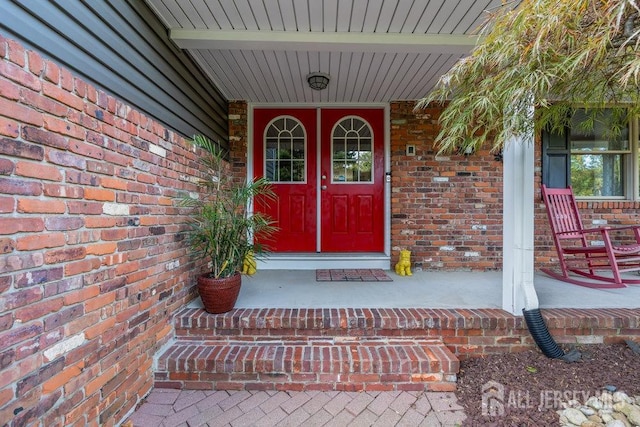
374, 50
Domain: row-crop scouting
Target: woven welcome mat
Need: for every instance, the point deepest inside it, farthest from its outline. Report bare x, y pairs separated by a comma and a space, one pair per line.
352, 275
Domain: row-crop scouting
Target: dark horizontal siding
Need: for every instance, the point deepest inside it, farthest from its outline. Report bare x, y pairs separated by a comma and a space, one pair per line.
122, 47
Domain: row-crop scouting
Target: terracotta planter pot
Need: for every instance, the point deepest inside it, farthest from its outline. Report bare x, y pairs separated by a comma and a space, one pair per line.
219, 295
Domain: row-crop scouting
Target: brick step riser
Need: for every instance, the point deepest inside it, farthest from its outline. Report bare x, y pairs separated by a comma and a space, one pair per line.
467, 333
415, 357
197, 321
194, 324
307, 375
278, 366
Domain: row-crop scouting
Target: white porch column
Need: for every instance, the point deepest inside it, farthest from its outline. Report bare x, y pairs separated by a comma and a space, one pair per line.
518, 229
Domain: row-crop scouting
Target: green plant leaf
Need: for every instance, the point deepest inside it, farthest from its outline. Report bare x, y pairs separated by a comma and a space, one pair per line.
554, 56
220, 225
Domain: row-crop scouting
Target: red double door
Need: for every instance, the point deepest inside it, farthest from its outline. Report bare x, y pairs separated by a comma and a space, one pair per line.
327, 169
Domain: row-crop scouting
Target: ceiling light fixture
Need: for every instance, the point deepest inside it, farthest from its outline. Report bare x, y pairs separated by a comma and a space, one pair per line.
318, 81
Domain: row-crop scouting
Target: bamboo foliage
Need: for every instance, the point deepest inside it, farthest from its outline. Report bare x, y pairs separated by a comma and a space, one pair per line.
221, 226
552, 55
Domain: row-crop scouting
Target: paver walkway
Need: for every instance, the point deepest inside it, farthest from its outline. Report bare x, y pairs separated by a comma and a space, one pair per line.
169, 408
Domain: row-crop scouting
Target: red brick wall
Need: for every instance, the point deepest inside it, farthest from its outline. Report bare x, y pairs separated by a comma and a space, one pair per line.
238, 138
92, 262
446, 209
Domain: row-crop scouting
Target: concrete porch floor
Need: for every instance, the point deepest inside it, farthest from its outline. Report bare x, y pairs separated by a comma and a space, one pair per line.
425, 289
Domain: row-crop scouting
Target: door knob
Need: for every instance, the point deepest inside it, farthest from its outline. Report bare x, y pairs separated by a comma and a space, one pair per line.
324, 176
324, 187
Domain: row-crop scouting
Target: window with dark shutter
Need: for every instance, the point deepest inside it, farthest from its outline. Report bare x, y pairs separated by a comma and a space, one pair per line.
595, 161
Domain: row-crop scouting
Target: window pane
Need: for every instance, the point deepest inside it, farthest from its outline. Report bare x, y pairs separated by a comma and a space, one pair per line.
285, 155
270, 170
274, 130
365, 166
597, 175
352, 151
600, 138
364, 131
298, 148
284, 170
339, 174
339, 154
351, 171
272, 151
352, 147
297, 173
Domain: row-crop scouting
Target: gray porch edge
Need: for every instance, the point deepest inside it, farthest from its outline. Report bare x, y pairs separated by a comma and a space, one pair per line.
425, 289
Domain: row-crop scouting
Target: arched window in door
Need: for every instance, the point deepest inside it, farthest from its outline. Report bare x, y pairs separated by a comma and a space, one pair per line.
352, 151
285, 143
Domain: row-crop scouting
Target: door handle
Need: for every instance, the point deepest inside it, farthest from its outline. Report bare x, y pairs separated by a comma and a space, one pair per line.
324, 187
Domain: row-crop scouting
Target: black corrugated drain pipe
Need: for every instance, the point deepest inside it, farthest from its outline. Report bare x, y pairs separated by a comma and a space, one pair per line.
544, 340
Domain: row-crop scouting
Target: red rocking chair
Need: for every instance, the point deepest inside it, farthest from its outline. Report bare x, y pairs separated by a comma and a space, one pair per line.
590, 252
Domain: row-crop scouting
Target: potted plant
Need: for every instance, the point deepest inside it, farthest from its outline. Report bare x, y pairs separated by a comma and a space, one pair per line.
221, 226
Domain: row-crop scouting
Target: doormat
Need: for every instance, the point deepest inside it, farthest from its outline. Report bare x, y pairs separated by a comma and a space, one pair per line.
352, 275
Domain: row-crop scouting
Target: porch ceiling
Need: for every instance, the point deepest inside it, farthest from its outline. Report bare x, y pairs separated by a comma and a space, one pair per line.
374, 50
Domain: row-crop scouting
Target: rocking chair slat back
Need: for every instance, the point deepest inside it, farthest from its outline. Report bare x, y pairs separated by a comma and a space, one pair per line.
563, 213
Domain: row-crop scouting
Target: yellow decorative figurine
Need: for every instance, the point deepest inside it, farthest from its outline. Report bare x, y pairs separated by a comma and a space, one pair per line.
249, 264
403, 267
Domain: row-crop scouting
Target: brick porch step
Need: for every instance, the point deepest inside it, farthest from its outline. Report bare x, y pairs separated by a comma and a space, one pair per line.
311, 363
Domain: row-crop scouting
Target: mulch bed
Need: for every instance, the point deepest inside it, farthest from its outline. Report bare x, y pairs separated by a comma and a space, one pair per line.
532, 387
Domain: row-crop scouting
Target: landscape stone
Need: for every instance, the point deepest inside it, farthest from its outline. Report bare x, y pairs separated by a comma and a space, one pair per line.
620, 396
602, 411
574, 416
622, 418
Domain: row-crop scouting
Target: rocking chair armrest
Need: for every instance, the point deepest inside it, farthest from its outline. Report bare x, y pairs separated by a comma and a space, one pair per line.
609, 228
623, 227
585, 231
605, 230
634, 228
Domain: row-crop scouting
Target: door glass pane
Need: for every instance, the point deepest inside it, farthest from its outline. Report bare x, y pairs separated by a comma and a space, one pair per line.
286, 144
298, 148
297, 171
339, 174
352, 151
